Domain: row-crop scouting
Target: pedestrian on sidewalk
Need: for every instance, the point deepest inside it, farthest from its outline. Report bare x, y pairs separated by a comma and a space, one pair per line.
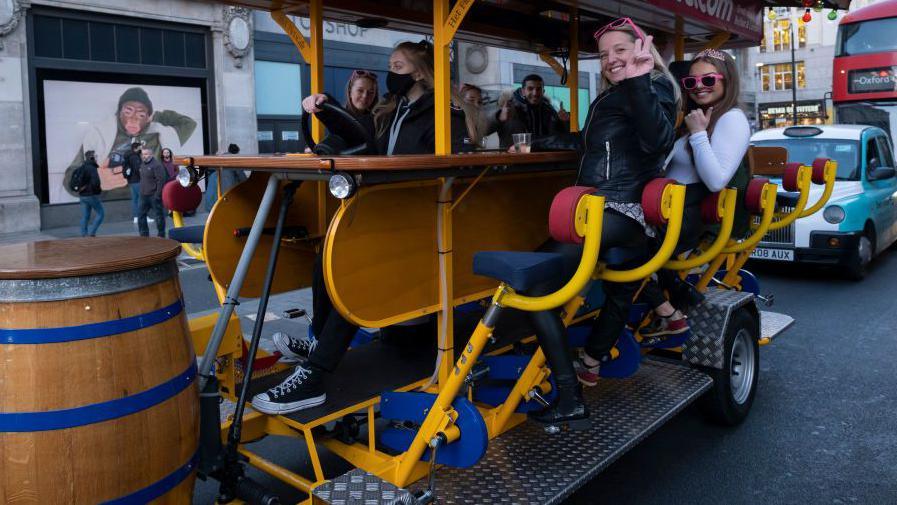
89, 195
131, 171
152, 180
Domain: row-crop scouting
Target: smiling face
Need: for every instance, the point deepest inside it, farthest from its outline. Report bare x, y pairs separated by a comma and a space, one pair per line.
615, 50
134, 117
706, 96
363, 93
533, 91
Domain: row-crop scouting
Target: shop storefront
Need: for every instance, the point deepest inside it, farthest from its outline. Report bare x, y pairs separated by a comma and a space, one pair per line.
778, 115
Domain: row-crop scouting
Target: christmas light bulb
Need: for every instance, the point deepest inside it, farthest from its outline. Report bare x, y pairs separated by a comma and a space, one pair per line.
771, 14
807, 16
833, 15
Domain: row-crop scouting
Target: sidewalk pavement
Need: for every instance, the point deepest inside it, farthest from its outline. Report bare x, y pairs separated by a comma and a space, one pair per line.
106, 229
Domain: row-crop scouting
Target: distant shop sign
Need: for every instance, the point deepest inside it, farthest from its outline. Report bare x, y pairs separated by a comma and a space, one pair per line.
744, 17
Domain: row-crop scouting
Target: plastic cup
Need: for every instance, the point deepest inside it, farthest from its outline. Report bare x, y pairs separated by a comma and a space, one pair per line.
522, 141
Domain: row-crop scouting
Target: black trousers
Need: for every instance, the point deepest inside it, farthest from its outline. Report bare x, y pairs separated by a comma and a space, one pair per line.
617, 231
333, 331
147, 204
689, 238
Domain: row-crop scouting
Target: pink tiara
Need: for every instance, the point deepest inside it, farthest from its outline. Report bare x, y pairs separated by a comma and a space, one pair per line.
712, 53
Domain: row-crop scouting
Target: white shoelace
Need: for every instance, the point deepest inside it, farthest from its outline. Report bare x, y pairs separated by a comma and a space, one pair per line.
296, 378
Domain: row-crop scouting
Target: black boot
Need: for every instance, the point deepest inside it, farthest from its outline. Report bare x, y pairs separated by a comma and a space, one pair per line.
569, 410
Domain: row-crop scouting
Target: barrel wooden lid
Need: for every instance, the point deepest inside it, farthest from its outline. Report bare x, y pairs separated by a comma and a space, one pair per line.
83, 256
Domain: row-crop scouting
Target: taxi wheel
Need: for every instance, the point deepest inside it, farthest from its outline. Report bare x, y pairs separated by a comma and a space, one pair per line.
729, 400
858, 266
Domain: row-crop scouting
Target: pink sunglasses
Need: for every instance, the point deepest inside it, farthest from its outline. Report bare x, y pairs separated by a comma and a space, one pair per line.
707, 80
616, 24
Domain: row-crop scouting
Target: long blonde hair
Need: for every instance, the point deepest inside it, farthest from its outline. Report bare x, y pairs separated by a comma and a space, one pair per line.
659, 66
420, 54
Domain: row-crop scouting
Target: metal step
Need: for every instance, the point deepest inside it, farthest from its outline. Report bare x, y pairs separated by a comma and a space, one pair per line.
772, 324
528, 466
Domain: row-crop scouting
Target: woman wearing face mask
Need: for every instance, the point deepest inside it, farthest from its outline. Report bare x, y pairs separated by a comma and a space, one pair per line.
713, 141
629, 130
404, 124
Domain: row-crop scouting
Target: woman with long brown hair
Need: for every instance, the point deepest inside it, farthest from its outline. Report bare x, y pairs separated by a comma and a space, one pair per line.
712, 143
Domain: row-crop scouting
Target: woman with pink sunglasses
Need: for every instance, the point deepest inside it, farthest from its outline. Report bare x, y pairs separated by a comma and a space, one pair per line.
629, 130
712, 143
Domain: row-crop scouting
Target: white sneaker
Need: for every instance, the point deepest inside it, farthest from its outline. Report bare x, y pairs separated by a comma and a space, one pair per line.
150, 220
294, 350
135, 220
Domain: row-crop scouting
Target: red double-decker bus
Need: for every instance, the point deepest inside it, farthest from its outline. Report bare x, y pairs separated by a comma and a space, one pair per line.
864, 87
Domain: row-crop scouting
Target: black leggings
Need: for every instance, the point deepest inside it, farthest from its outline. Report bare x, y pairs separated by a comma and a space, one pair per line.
334, 332
617, 231
689, 238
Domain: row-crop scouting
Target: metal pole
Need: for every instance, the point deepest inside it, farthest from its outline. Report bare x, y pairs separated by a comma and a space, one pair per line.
793, 76
233, 291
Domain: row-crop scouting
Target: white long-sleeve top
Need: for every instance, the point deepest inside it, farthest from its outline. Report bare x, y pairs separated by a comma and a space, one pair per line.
712, 161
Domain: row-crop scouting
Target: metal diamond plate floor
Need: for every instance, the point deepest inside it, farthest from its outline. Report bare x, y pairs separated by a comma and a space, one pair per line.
526, 466
773, 323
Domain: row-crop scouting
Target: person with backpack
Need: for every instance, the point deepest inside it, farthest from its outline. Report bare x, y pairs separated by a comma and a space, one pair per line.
85, 182
152, 180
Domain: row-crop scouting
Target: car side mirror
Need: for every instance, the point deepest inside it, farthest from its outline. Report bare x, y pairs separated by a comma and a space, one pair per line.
879, 173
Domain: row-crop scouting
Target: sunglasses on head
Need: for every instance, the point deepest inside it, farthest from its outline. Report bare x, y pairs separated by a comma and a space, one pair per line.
617, 24
706, 81
363, 73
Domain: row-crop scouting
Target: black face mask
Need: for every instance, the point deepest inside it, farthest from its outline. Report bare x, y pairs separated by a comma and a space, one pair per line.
399, 84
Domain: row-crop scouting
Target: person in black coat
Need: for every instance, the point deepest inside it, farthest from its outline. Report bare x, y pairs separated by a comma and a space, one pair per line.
404, 124
528, 110
131, 171
629, 130
89, 196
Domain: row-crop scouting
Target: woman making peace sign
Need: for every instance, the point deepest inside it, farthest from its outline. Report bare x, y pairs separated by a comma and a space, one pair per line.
629, 130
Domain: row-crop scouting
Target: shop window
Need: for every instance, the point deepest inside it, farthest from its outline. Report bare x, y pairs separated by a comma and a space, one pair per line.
173, 43
195, 50
127, 44
277, 90
75, 45
47, 37
802, 36
801, 76
102, 42
763, 44
151, 47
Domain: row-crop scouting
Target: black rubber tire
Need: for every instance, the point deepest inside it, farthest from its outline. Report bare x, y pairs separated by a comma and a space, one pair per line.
857, 268
719, 404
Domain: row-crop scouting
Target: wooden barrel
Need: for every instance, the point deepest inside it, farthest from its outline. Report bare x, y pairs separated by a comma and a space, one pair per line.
98, 398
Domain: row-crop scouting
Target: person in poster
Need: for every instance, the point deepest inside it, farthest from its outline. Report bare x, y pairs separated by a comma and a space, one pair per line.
135, 120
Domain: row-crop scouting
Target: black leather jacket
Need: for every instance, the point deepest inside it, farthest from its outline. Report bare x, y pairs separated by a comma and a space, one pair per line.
629, 131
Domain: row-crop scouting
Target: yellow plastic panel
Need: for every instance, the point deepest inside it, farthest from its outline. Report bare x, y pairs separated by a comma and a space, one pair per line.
237, 209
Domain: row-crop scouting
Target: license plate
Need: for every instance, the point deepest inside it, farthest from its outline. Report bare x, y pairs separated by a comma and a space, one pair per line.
763, 253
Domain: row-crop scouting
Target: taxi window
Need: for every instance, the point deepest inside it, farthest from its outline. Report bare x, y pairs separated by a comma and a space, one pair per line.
805, 150
884, 150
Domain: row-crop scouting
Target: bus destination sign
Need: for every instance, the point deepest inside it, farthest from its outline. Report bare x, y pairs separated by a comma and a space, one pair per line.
873, 80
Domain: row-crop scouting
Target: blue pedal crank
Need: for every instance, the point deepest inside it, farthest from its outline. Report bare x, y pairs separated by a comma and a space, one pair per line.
414, 407
507, 368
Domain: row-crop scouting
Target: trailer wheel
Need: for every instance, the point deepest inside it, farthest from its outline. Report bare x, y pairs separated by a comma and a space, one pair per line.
729, 400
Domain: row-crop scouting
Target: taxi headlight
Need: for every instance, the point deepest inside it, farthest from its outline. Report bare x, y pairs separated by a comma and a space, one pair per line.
342, 185
833, 214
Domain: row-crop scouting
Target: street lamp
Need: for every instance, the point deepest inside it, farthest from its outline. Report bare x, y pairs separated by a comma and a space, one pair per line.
759, 88
793, 72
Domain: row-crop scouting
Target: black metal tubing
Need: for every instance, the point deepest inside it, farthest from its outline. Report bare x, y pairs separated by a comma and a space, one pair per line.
230, 484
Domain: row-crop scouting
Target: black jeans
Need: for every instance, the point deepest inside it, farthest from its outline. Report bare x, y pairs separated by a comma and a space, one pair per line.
689, 238
333, 331
617, 231
150, 203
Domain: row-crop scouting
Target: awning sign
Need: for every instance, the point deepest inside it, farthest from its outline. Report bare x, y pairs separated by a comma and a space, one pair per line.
873, 80
743, 17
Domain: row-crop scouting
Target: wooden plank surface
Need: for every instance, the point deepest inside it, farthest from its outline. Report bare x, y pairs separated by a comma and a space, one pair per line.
301, 162
83, 256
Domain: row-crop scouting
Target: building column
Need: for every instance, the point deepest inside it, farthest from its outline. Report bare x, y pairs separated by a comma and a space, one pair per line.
19, 207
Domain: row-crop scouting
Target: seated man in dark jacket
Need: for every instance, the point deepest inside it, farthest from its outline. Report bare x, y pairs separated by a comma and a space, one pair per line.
528, 111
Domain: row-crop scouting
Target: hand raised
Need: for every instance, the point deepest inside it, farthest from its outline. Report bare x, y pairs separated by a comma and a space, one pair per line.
642, 61
697, 120
310, 103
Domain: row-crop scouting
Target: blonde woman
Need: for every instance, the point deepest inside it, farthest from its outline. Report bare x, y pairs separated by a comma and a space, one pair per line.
629, 130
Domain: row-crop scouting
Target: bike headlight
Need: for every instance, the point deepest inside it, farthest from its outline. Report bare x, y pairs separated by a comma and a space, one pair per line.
833, 214
185, 178
342, 185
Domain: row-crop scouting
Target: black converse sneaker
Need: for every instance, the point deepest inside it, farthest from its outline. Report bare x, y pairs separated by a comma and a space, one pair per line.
301, 390
294, 350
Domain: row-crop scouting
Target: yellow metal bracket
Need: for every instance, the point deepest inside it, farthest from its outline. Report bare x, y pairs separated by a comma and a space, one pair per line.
454, 20
293, 33
726, 208
831, 171
803, 186
757, 233
551, 62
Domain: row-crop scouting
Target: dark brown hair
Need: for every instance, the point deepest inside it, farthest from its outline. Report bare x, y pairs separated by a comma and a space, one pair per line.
724, 63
